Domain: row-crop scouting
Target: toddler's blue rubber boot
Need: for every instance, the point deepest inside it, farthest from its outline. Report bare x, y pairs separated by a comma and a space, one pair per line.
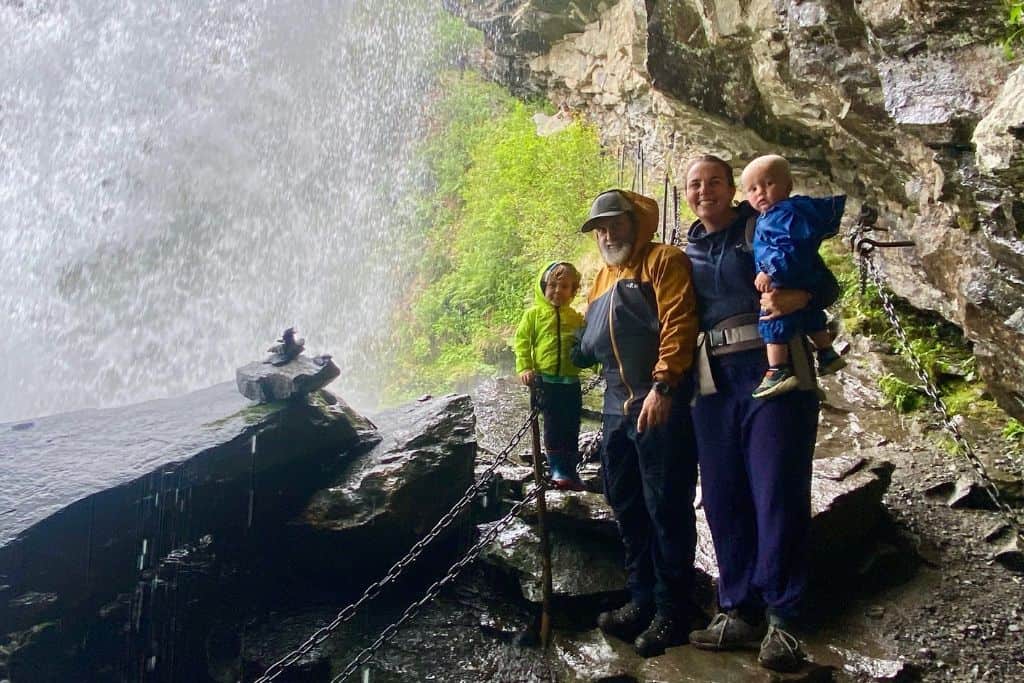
563, 471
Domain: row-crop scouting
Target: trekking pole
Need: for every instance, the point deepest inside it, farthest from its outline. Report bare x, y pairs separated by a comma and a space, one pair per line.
545, 549
640, 168
622, 163
664, 210
675, 215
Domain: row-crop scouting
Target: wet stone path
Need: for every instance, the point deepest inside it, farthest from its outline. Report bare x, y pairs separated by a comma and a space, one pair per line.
923, 601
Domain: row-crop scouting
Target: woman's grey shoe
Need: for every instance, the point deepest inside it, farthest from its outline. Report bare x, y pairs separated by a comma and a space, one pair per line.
780, 651
626, 622
663, 632
728, 631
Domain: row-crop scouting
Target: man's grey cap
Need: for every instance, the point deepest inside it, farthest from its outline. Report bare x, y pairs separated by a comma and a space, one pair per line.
608, 203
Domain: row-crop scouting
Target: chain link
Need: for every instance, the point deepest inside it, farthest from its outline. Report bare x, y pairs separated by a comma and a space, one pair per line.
375, 588
435, 588
962, 444
591, 384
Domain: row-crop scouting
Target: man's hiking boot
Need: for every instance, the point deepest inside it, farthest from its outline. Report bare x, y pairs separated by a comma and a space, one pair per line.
777, 381
728, 631
780, 651
627, 622
664, 631
829, 362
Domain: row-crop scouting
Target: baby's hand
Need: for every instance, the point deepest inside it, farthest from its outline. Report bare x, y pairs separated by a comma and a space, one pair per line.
763, 282
527, 377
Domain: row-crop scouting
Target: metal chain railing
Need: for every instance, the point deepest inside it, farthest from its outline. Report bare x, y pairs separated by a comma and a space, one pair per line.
435, 588
868, 268
375, 588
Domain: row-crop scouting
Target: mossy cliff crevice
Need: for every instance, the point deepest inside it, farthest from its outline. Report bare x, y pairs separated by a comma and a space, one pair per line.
909, 105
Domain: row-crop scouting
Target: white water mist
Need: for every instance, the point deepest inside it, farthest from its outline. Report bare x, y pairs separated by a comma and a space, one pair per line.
181, 180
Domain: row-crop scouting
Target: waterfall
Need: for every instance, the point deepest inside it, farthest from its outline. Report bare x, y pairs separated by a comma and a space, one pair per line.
181, 180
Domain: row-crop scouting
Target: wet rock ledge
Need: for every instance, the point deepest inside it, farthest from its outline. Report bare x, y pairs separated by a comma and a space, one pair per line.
133, 539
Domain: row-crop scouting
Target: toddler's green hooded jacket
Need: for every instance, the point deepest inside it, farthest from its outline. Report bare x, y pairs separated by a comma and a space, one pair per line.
543, 341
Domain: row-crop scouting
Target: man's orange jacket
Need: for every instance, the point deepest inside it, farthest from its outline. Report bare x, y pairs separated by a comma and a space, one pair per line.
641, 322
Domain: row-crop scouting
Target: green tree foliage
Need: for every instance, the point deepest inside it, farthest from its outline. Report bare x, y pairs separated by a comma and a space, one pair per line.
1014, 26
453, 39
505, 201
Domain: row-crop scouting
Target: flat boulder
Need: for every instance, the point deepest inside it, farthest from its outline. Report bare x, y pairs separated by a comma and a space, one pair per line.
265, 382
581, 511
581, 563
391, 497
511, 478
846, 502
846, 506
1006, 546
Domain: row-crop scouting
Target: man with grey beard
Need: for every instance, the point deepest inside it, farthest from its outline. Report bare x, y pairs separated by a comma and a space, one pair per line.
641, 325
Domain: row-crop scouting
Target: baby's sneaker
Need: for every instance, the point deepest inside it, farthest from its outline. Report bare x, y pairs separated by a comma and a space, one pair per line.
778, 380
829, 362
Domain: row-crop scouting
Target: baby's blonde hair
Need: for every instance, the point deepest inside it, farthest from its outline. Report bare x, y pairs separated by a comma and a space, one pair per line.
770, 162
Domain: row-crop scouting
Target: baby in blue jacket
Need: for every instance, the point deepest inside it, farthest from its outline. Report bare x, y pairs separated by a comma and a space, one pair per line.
786, 240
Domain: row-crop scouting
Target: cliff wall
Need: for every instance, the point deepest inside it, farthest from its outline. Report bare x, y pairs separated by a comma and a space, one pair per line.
907, 105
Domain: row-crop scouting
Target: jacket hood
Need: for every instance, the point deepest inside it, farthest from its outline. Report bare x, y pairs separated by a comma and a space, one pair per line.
538, 283
697, 232
824, 211
645, 212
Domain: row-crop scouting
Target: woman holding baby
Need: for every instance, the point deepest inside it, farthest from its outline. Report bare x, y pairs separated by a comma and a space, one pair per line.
754, 453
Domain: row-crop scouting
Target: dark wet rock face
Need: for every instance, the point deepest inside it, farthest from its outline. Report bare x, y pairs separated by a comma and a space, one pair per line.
467, 635
390, 498
110, 512
910, 107
168, 524
582, 563
520, 29
91, 497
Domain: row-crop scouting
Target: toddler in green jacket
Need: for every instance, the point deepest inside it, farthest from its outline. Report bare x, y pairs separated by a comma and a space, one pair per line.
543, 344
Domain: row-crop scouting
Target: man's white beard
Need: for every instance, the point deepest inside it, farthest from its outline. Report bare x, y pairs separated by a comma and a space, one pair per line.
617, 255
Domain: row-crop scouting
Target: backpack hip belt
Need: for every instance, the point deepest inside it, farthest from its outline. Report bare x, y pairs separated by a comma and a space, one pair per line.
739, 333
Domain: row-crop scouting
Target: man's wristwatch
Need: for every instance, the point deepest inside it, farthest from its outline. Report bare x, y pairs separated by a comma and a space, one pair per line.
662, 388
